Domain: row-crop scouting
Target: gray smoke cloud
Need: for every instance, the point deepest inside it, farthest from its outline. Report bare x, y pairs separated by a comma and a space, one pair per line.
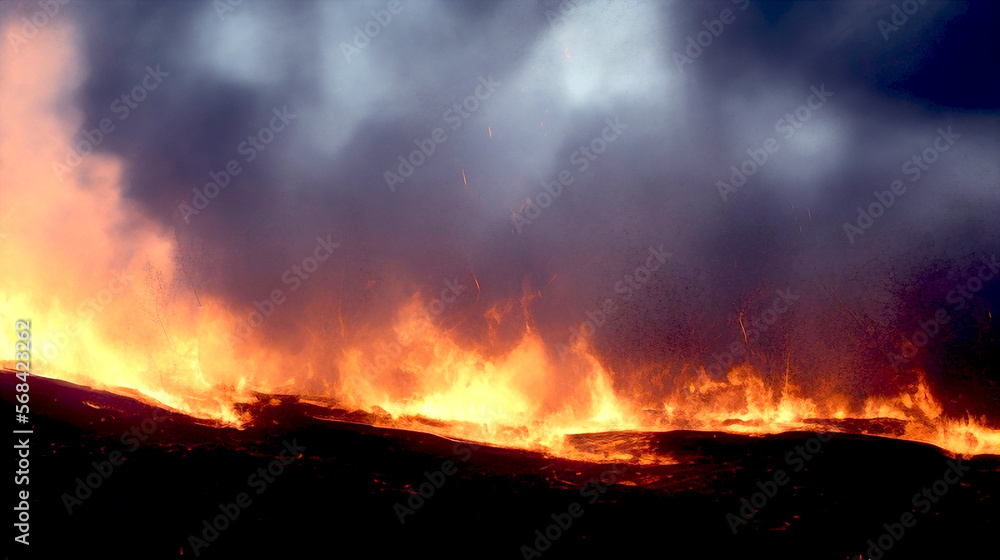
827, 101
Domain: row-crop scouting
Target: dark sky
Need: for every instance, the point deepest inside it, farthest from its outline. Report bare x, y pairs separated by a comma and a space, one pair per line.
656, 184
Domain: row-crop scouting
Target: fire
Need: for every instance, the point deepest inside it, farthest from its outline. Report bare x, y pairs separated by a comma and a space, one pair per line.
521, 399
110, 308
744, 403
518, 399
93, 274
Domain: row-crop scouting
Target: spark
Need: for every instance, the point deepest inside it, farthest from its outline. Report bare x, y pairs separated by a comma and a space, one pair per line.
788, 372
567, 53
474, 279
745, 340
463, 177
554, 276
490, 129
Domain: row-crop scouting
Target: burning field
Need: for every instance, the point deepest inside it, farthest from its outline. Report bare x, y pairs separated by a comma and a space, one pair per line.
514, 280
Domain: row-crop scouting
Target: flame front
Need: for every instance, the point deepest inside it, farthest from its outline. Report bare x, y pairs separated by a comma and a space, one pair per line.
520, 398
523, 399
109, 308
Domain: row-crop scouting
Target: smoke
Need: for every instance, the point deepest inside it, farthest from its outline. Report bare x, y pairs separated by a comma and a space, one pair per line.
699, 89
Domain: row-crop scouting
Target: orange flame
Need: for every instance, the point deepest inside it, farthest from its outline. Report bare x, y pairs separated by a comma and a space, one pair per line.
98, 281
